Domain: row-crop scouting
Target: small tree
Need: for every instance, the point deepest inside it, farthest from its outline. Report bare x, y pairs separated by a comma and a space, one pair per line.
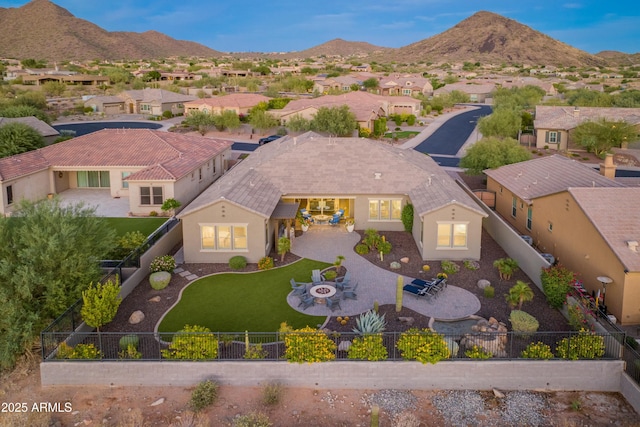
407, 217
100, 303
491, 153
170, 206
518, 294
600, 136
17, 138
338, 121
284, 246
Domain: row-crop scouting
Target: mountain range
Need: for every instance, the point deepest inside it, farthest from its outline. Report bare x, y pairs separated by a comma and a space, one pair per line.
42, 30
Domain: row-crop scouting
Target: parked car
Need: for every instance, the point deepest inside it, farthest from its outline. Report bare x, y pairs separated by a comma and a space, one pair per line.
268, 139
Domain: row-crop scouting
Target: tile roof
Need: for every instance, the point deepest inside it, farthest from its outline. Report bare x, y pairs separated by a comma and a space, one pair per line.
167, 155
544, 176
614, 213
566, 118
160, 95
315, 165
42, 127
240, 100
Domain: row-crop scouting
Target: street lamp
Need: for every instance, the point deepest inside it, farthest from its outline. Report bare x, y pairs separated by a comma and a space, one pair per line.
605, 281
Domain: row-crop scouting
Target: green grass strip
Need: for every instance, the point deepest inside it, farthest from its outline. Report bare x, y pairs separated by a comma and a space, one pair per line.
238, 302
144, 225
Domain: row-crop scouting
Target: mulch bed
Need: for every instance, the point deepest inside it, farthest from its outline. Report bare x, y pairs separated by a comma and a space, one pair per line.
403, 245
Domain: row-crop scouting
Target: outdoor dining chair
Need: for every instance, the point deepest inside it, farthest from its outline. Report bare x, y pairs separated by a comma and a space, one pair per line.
299, 288
333, 303
344, 281
350, 293
306, 301
316, 277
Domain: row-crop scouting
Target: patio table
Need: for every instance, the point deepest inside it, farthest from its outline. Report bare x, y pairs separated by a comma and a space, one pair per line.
321, 218
321, 292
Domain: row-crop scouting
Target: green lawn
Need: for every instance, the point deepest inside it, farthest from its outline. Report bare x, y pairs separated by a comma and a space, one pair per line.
144, 225
238, 302
401, 134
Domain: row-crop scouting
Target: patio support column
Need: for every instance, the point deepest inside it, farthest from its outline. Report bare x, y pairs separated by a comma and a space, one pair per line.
52, 182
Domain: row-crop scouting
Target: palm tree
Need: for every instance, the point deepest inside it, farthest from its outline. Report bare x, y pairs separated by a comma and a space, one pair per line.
518, 294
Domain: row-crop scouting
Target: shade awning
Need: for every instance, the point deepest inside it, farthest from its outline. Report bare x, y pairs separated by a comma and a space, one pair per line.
285, 211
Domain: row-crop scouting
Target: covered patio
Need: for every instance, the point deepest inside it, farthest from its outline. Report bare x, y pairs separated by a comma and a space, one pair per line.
100, 199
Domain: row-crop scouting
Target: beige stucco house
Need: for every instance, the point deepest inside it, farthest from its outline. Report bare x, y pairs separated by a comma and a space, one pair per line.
143, 165
153, 102
587, 221
257, 200
553, 125
240, 103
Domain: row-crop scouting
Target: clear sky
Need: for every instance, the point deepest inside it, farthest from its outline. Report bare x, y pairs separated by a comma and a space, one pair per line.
288, 25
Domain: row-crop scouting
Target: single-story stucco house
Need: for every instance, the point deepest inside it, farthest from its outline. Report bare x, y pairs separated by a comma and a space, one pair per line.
254, 203
144, 165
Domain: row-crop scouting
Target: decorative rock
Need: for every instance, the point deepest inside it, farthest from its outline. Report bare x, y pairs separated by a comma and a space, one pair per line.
155, 299
395, 265
404, 259
136, 317
158, 402
408, 320
159, 280
498, 394
483, 283
344, 345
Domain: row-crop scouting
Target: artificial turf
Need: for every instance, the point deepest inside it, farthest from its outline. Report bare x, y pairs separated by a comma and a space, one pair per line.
144, 225
238, 302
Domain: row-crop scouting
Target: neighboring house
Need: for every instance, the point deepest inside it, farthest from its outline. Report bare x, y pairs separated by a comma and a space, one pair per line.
153, 102
367, 107
553, 125
256, 202
405, 86
240, 103
144, 165
588, 222
75, 79
48, 133
477, 92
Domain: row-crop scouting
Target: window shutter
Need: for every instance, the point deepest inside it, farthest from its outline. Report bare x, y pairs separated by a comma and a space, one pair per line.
546, 136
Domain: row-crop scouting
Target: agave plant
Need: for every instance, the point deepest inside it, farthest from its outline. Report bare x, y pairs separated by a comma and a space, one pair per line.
370, 322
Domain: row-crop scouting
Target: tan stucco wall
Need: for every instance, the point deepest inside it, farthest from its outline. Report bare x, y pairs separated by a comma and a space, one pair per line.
541, 135
457, 213
361, 213
31, 187
577, 245
134, 196
223, 212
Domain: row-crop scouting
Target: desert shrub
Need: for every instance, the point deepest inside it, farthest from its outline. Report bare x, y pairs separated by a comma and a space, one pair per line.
523, 322
252, 419
506, 267
167, 114
585, 345
192, 343
577, 317
471, 265
159, 280
163, 263
237, 262
153, 213
538, 350
424, 345
203, 395
477, 352
80, 351
489, 291
127, 243
407, 217
272, 393
330, 275
131, 352
411, 120
556, 283
308, 345
371, 238
369, 347
362, 249
449, 267
128, 340
265, 263
255, 352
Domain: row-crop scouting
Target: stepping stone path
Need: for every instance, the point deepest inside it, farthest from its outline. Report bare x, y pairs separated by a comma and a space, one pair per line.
186, 274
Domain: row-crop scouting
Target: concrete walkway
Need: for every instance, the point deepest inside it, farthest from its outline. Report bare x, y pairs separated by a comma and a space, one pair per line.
324, 243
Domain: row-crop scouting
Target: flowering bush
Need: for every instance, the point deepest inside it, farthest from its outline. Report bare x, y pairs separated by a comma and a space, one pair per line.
369, 347
163, 263
538, 350
449, 267
423, 345
192, 343
577, 317
477, 352
471, 265
308, 345
556, 283
585, 345
441, 275
265, 263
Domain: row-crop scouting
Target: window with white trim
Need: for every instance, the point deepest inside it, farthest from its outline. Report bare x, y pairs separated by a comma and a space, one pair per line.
452, 235
223, 237
151, 196
125, 184
9, 194
385, 209
529, 217
552, 137
514, 207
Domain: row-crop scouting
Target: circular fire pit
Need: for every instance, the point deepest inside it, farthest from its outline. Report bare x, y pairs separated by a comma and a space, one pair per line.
320, 292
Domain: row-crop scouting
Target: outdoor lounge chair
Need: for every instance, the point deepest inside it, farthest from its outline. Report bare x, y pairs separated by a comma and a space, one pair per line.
306, 301
306, 215
335, 219
316, 277
350, 293
299, 288
418, 291
344, 281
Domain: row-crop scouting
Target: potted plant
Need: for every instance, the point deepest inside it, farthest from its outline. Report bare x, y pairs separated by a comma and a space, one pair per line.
506, 267
305, 224
350, 224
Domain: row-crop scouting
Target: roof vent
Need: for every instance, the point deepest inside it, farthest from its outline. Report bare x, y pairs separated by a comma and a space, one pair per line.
377, 175
633, 245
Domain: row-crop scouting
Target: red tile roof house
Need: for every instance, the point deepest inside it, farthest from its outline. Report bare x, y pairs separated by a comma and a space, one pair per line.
588, 222
241, 103
553, 125
242, 213
144, 165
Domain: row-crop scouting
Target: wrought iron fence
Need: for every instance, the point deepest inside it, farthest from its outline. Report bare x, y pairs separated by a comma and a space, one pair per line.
68, 321
151, 346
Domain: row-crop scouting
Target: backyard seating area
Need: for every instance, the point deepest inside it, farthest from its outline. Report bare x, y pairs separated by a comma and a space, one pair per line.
323, 292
